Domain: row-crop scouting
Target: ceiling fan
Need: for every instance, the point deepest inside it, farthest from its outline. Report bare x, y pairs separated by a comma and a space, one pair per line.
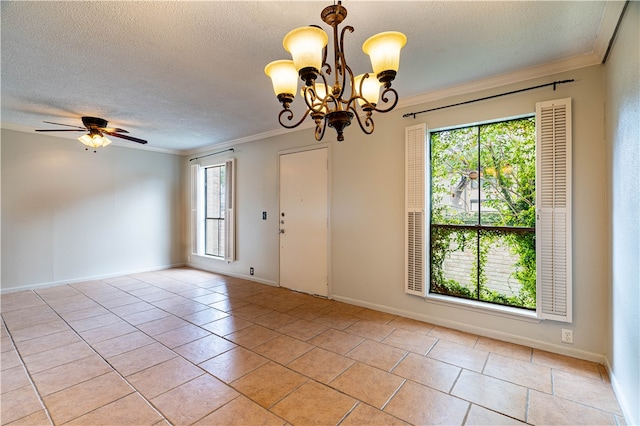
97, 128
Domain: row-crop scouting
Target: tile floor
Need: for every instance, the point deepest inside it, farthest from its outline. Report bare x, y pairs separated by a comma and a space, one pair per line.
183, 346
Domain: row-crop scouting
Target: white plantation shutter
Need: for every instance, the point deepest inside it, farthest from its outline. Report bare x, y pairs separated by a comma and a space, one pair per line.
415, 209
230, 203
553, 236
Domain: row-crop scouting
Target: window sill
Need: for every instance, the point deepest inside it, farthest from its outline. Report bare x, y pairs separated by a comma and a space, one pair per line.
206, 256
485, 308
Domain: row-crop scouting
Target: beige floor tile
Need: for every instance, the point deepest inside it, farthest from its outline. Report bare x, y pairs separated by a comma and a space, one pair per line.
566, 363
335, 319
162, 325
507, 349
227, 325
38, 418
138, 359
302, 329
454, 336
241, 411
229, 304
274, 320
427, 371
205, 348
378, 355
548, 410
85, 324
523, 373
365, 414
321, 365
370, 330
163, 377
107, 332
185, 309
314, 403
269, 383
19, 403
460, 355
130, 410
586, 391
13, 378
54, 357
121, 344
181, 336
137, 318
51, 341
480, 416
409, 324
410, 341
482, 390
206, 298
233, 364
194, 400
67, 375
420, 405
368, 384
283, 349
252, 336
9, 359
133, 308
249, 311
84, 313
19, 319
307, 312
337, 341
85, 397
39, 330
205, 316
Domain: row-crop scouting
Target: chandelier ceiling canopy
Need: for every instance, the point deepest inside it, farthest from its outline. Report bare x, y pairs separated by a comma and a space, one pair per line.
335, 104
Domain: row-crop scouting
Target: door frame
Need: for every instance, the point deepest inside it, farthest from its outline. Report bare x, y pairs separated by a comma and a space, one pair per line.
326, 146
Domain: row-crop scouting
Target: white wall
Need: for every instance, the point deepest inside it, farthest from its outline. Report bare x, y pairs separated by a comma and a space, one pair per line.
367, 213
70, 214
622, 80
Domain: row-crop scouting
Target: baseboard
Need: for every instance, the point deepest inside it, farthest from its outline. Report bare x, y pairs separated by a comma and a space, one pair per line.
87, 278
234, 275
481, 331
624, 404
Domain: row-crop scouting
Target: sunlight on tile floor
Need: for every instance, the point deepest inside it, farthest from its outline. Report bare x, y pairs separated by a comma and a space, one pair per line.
183, 346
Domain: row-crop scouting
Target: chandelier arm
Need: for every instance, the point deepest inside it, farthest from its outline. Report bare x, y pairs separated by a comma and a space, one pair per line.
344, 68
290, 117
385, 100
368, 122
319, 131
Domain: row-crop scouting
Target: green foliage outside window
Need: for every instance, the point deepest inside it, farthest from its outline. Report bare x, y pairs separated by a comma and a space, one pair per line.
483, 196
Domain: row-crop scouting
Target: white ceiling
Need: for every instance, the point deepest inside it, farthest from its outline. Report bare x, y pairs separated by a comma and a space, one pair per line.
187, 75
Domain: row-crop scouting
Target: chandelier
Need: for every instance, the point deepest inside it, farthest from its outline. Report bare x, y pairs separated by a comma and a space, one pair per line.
328, 104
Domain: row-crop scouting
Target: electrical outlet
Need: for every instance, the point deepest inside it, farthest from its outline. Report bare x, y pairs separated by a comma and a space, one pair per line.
567, 335
251, 271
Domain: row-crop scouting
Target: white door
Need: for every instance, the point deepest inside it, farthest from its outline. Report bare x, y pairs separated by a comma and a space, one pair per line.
304, 221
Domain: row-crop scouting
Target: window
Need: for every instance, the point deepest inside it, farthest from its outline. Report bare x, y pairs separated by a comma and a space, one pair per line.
489, 212
483, 217
212, 210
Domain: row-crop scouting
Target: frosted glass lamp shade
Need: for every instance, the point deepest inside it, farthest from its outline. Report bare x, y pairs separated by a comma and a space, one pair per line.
384, 51
94, 140
284, 78
305, 45
370, 89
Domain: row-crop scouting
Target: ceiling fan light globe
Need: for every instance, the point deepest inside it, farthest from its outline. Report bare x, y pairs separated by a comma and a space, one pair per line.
94, 141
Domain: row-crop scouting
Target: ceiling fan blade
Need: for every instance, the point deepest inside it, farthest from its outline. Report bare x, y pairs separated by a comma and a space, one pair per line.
113, 129
68, 125
129, 138
61, 130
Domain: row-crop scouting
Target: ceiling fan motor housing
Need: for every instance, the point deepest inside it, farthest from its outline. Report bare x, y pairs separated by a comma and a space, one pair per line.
94, 122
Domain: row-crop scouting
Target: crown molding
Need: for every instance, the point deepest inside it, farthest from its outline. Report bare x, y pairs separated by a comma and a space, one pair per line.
612, 14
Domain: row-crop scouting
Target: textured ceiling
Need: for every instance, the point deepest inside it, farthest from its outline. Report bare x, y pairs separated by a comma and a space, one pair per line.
185, 75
